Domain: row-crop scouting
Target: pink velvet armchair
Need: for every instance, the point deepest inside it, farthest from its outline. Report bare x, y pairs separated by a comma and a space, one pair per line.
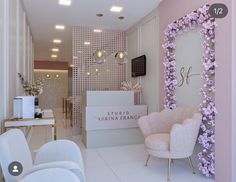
171, 134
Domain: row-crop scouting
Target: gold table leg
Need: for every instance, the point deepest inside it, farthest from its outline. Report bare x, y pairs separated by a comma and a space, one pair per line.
146, 164
66, 108
54, 127
191, 164
63, 105
169, 169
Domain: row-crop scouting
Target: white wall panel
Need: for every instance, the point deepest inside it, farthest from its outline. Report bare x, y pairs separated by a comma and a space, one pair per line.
22, 19
26, 51
5, 60
132, 48
31, 59
143, 38
12, 53
149, 47
2, 51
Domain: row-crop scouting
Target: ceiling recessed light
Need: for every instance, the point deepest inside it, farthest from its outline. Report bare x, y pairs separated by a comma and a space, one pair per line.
53, 56
116, 9
65, 2
97, 30
99, 15
60, 27
87, 43
57, 41
55, 50
121, 17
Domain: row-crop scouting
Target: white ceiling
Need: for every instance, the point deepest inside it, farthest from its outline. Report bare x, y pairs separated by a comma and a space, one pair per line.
43, 15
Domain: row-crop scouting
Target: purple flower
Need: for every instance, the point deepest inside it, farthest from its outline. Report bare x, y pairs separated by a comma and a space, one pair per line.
207, 107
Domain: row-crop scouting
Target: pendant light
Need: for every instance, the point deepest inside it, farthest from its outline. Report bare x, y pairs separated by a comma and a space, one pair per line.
100, 56
121, 57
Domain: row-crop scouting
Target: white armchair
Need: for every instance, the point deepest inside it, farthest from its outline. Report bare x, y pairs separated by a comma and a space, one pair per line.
56, 154
171, 134
51, 174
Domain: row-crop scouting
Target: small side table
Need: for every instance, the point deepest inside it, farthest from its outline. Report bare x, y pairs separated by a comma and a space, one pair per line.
48, 119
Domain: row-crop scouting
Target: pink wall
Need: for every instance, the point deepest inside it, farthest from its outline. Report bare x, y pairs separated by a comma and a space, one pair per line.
171, 10
51, 65
234, 88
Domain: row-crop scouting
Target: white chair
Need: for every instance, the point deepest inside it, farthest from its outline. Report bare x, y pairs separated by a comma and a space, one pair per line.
50, 175
171, 134
56, 154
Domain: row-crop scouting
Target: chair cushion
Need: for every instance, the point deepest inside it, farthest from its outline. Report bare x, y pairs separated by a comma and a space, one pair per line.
159, 142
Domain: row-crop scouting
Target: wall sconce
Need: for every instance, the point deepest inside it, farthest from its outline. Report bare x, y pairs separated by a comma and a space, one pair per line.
121, 57
57, 76
48, 76
100, 56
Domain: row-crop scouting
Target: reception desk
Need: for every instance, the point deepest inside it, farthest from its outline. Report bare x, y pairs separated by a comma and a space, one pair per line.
110, 119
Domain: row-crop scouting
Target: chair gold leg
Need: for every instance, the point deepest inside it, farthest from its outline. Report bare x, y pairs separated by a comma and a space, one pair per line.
191, 164
169, 169
146, 164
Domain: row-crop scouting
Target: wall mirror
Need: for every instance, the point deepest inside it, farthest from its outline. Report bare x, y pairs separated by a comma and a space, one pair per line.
180, 53
189, 52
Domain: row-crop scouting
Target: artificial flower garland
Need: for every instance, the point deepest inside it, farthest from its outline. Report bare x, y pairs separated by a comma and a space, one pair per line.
128, 85
197, 18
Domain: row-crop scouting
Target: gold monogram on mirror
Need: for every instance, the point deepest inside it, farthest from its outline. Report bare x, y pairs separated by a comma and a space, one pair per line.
185, 75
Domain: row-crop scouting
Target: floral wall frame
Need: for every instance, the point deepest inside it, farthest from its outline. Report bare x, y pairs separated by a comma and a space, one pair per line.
202, 18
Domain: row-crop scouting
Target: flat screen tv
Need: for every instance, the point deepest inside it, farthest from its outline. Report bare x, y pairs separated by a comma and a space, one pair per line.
138, 66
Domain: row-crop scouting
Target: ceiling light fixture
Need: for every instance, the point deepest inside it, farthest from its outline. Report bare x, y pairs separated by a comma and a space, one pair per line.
116, 9
54, 56
99, 15
55, 50
57, 41
100, 56
121, 57
121, 18
97, 30
65, 2
87, 43
59, 27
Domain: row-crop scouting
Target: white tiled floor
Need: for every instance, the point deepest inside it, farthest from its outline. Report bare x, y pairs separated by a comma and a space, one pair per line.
118, 164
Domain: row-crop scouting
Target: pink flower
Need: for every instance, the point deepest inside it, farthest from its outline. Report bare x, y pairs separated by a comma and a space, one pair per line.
207, 107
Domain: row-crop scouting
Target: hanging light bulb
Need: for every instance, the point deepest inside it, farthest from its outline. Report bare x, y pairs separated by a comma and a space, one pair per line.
121, 57
100, 56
